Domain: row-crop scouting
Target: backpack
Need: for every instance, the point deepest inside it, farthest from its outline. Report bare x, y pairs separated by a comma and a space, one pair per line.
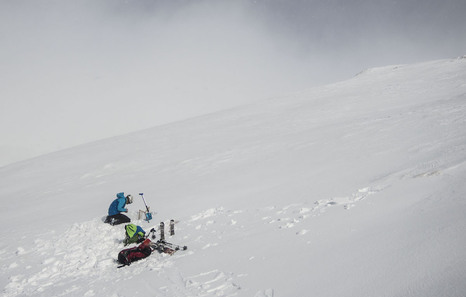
133, 234
127, 256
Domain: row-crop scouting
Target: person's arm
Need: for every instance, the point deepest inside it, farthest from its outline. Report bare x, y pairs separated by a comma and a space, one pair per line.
121, 205
140, 231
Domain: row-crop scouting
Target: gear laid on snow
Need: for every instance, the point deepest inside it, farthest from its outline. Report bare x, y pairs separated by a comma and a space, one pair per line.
127, 256
145, 249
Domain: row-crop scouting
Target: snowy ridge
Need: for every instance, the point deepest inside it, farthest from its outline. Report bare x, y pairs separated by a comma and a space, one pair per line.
351, 189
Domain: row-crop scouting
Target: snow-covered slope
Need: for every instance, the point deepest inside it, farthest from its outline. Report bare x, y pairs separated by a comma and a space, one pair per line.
352, 189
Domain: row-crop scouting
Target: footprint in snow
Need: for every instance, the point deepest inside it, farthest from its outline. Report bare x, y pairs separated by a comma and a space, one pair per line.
265, 293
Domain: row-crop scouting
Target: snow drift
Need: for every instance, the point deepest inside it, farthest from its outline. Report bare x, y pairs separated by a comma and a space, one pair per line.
351, 189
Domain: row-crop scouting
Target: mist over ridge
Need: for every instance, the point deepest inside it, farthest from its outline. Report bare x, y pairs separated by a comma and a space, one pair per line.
75, 72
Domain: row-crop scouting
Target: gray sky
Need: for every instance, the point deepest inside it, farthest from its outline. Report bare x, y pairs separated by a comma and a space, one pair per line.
78, 71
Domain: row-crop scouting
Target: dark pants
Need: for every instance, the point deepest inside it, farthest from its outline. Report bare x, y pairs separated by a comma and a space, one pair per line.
117, 219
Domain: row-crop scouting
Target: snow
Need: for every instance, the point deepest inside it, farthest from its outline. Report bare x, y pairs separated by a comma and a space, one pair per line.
351, 189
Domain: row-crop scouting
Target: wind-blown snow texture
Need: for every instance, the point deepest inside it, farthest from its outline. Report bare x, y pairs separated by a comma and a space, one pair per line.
352, 189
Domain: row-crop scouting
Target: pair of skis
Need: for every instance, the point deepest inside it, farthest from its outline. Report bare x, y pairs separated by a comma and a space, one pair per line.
162, 229
166, 247
161, 245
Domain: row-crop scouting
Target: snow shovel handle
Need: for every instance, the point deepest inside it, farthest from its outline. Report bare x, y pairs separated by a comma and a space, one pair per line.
147, 208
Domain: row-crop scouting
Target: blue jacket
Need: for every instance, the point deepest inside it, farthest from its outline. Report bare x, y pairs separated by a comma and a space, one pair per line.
118, 205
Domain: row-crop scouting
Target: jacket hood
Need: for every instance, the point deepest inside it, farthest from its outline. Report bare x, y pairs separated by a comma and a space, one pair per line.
121, 195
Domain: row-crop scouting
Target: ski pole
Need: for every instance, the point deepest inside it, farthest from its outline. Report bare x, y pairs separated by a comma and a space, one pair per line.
152, 231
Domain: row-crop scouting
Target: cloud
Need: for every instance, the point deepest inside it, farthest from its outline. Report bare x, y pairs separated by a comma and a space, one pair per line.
77, 71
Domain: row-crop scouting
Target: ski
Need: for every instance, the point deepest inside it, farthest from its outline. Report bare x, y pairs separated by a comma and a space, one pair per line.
174, 246
162, 231
172, 227
166, 247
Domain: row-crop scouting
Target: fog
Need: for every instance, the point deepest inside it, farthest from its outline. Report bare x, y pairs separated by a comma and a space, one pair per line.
78, 71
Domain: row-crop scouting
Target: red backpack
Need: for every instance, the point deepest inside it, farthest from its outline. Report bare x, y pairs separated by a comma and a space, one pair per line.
127, 256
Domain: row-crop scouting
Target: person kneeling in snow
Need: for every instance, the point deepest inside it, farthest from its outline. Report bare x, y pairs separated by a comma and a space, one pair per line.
115, 210
134, 234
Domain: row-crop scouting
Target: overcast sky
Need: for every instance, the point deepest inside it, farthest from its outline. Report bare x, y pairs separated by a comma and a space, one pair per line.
77, 71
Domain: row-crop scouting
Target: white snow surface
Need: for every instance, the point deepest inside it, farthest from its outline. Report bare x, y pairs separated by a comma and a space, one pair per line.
351, 189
